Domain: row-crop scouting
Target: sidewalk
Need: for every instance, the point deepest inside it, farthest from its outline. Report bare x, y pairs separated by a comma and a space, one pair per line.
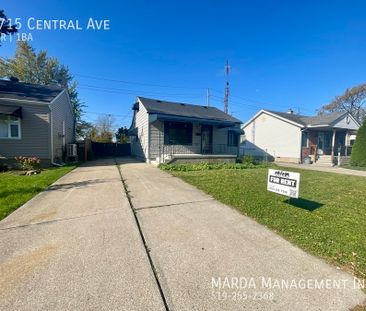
328, 169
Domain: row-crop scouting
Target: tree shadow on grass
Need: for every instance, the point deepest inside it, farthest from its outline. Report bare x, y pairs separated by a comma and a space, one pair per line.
304, 204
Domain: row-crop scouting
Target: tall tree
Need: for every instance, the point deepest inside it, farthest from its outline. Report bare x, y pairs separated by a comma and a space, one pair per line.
5, 27
122, 135
103, 131
84, 130
38, 68
351, 101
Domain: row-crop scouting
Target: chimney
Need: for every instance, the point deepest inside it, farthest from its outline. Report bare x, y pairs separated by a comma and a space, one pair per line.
290, 111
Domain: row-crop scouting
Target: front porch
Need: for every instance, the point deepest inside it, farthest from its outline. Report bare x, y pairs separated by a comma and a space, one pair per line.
326, 145
180, 142
213, 153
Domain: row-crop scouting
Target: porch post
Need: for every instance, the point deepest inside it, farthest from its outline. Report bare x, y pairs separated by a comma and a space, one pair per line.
333, 143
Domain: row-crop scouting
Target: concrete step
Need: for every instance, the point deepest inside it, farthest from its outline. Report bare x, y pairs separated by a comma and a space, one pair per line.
324, 160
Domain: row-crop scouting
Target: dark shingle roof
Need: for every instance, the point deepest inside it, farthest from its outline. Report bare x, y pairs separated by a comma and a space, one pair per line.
297, 118
185, 110
326, 119
26, 91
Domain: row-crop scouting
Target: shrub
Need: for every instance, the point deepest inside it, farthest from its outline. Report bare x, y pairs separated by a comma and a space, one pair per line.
358, 156
248, 159
3, 168
28, 163
209, 166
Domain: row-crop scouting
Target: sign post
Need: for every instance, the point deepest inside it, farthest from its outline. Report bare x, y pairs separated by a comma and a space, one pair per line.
283, 182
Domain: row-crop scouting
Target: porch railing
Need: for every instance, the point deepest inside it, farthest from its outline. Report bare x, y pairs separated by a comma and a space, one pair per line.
313, 151
198, 149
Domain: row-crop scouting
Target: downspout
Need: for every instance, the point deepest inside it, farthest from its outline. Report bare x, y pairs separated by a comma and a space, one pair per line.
148, 139
301, 138
52, 152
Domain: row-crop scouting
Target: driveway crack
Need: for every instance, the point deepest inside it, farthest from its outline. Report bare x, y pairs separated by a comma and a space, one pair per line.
147, 249
172, 204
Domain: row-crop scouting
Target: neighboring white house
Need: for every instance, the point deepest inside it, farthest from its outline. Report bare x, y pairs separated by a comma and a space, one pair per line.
290, 137
164, 131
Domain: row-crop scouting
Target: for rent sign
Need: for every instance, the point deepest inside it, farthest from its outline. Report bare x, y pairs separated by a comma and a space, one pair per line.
282, 182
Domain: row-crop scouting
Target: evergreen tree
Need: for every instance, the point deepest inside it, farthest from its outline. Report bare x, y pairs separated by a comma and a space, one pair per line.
358, 156
5, 27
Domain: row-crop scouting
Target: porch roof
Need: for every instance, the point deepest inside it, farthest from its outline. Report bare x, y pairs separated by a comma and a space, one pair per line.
11, 110
166, 117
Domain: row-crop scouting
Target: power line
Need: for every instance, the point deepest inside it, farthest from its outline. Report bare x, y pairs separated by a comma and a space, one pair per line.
139, 83
260, 104
143, 93
109, 114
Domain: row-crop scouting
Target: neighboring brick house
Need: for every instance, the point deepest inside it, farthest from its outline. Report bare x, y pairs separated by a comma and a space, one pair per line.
35, 120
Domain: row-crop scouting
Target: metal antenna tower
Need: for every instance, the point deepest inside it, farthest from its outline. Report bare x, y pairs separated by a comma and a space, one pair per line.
208, 97
226, 99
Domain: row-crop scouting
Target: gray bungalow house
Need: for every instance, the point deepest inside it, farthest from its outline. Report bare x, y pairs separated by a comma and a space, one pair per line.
166, 132
35, 120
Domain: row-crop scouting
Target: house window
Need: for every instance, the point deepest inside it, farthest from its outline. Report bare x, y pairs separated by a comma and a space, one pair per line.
177, 133
232, 139
9, 127
305, 139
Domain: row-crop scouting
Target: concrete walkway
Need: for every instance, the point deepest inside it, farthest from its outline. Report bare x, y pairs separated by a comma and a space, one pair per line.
81, 246
192, 239
327, 169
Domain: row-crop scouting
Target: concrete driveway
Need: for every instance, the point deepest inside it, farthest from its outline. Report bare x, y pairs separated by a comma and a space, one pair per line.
76, 247
85, 245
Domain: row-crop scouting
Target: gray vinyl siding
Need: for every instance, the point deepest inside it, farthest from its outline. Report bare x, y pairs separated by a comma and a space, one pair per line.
62, 112
35, 134
347, 123
219, 140
156, 139
139, 144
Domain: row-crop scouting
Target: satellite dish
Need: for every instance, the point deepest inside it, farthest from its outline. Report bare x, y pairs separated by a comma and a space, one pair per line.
348, 119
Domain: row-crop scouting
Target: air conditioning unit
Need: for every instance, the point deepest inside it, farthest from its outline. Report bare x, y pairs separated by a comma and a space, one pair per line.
72, 150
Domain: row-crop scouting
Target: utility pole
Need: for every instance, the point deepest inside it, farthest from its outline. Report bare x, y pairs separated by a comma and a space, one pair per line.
226, 99
208, 97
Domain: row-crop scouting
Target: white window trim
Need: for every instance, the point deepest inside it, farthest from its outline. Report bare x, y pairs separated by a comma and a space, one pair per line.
10, 122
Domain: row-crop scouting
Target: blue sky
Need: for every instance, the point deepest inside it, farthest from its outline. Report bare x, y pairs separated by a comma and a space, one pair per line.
283, 54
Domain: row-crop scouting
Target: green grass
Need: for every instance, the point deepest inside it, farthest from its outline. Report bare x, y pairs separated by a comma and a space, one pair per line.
328, 221
16, 189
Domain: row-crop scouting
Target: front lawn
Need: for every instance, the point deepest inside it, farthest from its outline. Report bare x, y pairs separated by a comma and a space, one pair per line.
328, 221
16, 189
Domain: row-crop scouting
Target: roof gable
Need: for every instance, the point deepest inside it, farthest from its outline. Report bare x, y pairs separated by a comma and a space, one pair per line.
155, 106
346, 122
282, 116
